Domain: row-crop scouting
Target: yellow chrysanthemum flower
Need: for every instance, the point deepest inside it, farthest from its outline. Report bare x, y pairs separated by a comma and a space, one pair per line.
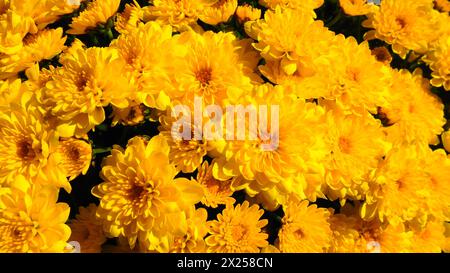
430, 239
130, 116
437, 188
288, 34
439, 60
140, 198
406, 25
88, 80
357, 7
149, 52
247, 13
357, 81
220, 12
216, 192
97, 12
238, 230
353, 235
305, 5
130, 18
13, 28
287, 157
217, 67
43, 12
44, 45
27, 145
30, 218
396, 192
304, 229
186, 154
346, 237
74, 156
413, 112
357, 144
193, 240
87, 230
180, 14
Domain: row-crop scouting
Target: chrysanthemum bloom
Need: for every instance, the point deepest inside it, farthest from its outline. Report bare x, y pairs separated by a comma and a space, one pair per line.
129, 18
13, 28
357, 144
413, 113
220, 12
30, 218
41, 12
429, 239
44, 45
287, 35
193, 240
354, 70
88, 80
406, 25
87, 230
26, 145
140, 198
351, 234
180, 14
357, 7
396, 192
97, 12
286, 154
437, 188
382, 54
345, 237
185, 153
238, 230
305, 5
304, 228
439, 60
247, 13
130, 116
217, 67
74, 156
149, 52
216, 192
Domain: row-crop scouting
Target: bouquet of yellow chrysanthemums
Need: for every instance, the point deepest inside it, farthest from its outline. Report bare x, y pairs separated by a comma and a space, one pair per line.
224, 126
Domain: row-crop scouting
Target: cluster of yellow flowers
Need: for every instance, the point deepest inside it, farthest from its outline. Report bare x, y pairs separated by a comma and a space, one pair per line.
361, 125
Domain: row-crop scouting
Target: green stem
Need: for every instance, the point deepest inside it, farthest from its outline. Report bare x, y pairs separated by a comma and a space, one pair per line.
334, 20
97, 151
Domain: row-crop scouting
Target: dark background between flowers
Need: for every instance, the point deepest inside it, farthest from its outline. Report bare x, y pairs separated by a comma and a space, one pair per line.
105, 136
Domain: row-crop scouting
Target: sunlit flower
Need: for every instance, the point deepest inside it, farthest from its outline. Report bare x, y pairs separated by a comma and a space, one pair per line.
96, 12
193, 240
238, 229
140, 196
247, 13
31, 220
74, 156
304, 228
220, 12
